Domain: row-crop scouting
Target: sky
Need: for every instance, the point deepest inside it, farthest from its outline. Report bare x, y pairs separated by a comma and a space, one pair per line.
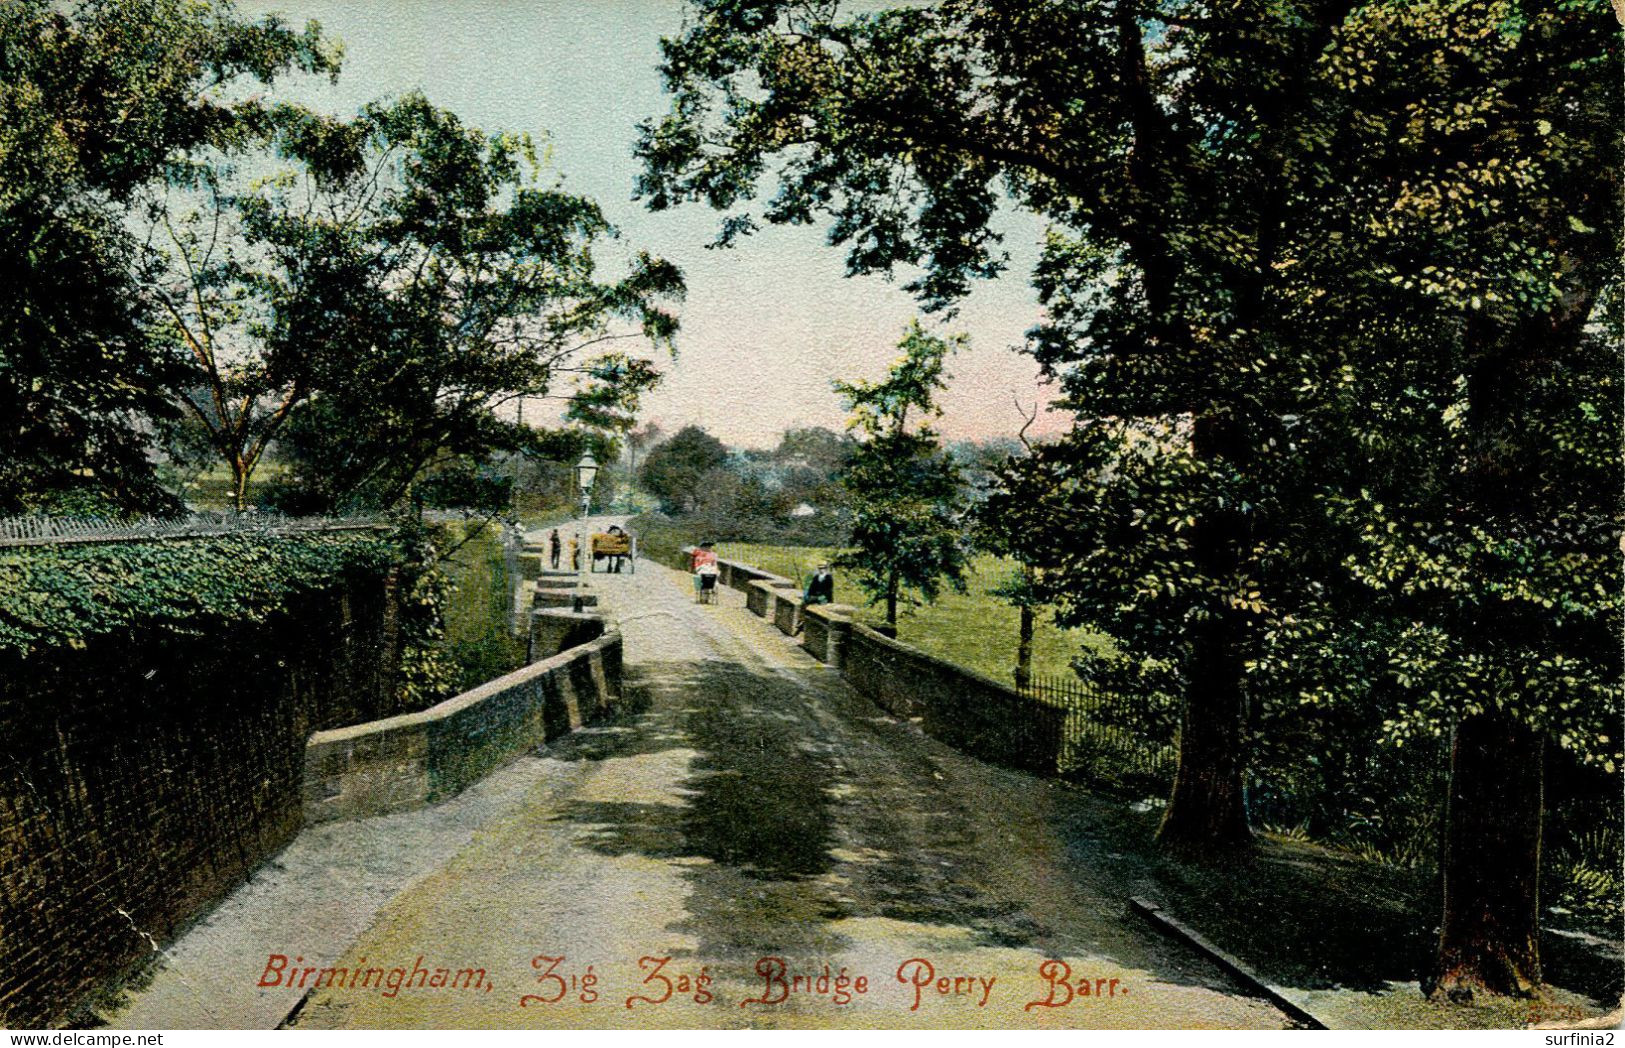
766, 325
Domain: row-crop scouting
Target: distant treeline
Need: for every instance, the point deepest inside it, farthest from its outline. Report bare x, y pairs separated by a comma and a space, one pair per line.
790, 494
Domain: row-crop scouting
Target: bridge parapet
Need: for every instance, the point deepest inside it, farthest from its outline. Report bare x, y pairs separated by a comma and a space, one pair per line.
824, 630
406, 762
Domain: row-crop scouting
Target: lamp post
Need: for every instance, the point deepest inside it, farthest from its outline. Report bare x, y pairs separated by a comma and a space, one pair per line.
586, 471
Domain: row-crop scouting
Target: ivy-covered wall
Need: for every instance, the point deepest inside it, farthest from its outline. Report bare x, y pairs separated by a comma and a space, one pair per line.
479, 608
155, 701
67, 592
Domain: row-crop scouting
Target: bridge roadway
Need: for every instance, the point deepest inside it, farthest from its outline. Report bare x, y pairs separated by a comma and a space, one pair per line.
748, 807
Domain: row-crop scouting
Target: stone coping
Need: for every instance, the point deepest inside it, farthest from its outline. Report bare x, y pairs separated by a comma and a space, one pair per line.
473, 697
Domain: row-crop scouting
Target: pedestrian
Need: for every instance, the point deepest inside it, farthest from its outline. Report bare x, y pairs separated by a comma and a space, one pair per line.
820, 590
575, 554
704, 564
615, 559
554, 544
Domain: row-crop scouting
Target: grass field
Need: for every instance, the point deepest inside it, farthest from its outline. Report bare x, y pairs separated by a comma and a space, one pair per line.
974, 629
479, 607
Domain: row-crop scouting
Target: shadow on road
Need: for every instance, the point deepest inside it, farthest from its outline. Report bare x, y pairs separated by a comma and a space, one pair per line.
804, 806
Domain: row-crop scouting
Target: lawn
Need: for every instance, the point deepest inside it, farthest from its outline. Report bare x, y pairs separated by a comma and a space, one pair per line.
479, 608
974, 629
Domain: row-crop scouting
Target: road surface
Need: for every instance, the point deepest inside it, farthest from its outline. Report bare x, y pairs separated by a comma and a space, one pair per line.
752, 822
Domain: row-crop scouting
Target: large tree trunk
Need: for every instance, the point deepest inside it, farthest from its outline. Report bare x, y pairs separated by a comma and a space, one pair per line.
1207, 813
1489, 937
1490, 929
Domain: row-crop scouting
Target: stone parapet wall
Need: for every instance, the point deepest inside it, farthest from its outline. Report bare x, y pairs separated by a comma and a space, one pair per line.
825, 628
553, 630
762, 596
962, 708
881, 668
786, 609
740, 576
406, 762
730, 573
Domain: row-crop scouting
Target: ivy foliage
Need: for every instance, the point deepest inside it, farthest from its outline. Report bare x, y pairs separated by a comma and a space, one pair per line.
57, 595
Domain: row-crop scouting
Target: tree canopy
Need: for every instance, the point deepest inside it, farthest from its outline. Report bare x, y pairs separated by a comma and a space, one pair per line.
908, 532
676, 469
414, 276
1321, 283
99, 99
209, 271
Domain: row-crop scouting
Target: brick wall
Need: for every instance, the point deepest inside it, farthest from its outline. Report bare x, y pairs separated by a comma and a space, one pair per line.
144, 777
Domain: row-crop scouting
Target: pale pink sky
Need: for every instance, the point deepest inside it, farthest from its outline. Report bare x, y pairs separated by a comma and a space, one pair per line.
767, 325
758, 352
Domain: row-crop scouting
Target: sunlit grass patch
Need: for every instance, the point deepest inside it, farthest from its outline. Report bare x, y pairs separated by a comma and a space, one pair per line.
974, 629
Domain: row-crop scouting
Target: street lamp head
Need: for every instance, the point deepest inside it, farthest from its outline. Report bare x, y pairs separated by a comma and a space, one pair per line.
586, 470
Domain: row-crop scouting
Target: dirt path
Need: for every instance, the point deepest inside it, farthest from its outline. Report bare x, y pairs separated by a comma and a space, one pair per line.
752, 820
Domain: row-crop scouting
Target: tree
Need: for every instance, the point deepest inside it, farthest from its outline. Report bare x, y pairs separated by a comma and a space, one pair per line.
675, 470
405, 279
219, 298
98, 99
544, 468
907, 531
1486, 417
1003, 519
1234, 194
638, 441
1164, 159
806, 467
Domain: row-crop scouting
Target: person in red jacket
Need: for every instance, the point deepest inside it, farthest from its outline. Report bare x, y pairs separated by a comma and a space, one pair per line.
704, 565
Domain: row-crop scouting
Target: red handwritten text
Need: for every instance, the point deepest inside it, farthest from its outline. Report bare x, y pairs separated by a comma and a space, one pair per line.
553, 985
922, 975
779, 983
665, 985
1058, 977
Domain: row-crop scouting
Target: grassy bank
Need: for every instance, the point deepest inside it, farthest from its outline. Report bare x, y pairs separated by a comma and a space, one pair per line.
975, 629
479, 636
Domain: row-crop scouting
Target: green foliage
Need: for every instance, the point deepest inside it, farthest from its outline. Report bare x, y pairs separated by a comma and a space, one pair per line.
789, 494
378, 346
676, 470
908, 536
975, 628
1585, 877
1317, 285
478, 609
99, 98
467, 485
428, 672
659, 537
64, 594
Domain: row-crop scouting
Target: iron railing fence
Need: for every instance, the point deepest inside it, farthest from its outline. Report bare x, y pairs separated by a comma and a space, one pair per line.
35, 530
1107, 740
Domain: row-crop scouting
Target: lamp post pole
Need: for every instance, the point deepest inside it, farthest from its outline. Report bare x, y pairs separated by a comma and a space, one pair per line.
586, 471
